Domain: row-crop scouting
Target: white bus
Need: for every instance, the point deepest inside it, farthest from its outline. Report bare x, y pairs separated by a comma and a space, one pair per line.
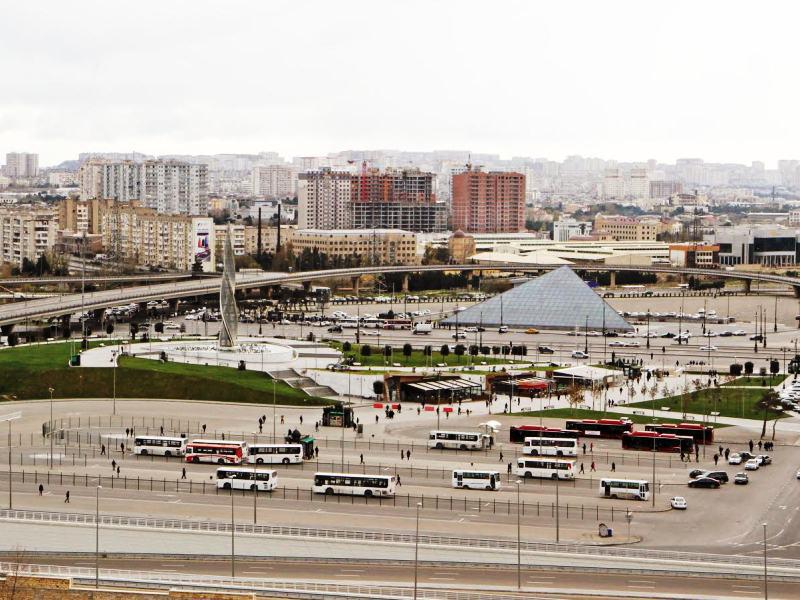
354, 485
545, 468
481, 480
461, 440
631, 489
372, 323
274, 453
159, 445
243, 478
216, 451
348, 323
550, 446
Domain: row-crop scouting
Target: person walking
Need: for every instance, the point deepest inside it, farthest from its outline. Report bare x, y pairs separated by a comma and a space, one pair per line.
113, 465
122, 448
281, 419
760, 444
398, 481
162, 430
41, 489
716, 459
316, 451
509, 468
102, 449
584, 447
204, 427
501, 456
260, 427
408, 454
592, 468
117, 470
727, 453
582, 469
66, 498
183, 473
613, 467
591, 447
751, 445
361, 456
402, 455
376, 419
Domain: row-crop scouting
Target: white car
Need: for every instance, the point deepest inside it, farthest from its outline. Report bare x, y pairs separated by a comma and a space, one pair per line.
752, 464
678, 502
708, 348
616, 344
632, 344
629, 334
579, 354
798, 475
710, 334
735, 459
470, 330
739, 332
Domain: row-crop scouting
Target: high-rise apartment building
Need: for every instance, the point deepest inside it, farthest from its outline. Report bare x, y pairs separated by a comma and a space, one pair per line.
82, 216
639, 184
613, 184
661, 189
491, 202
274, 181
324, 199
396, 199
168, 186
26, 232
21, 165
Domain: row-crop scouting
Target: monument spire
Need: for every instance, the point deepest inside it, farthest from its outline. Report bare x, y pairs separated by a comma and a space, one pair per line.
227, 296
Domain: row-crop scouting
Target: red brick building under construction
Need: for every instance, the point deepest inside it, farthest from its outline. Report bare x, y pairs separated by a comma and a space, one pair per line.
491, 202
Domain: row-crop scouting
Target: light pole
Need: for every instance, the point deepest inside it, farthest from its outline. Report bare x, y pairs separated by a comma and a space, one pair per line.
10, 417
115, 358
233, 539
416, 552
274, 408
255, 493
653, 491
558, 521
50, 432
97, 536
648, 329
519, 541
766, 596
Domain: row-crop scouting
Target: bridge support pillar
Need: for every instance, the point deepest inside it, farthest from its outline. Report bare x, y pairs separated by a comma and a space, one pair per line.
612, 275
796, 290
306, 286
405, 283
173, 305
354, 281
748, 285
6, 329
65, 324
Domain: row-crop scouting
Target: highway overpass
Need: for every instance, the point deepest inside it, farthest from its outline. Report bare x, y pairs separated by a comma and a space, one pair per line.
70, 303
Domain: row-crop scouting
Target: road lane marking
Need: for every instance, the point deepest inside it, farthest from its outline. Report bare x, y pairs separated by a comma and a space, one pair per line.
441, 578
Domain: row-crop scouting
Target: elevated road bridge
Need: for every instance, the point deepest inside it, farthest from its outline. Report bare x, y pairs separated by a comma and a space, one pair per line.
70, 303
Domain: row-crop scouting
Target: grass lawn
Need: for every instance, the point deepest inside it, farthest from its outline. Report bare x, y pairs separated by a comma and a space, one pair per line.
738, 402
27, 372
757, 381
580, 413
417, 358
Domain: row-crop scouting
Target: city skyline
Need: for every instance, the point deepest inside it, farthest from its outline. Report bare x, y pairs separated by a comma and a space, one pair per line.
519, 80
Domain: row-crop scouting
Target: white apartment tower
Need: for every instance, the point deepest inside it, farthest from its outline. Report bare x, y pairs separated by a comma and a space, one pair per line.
324, 199
639, 184
168, 186
274, 181
21, 165
613, 184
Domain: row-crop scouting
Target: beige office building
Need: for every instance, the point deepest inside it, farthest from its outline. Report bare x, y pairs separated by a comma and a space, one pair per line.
628, 229
373, 246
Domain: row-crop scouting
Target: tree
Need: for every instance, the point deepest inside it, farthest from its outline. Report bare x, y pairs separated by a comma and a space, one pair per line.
459, 351
574, 396
774, 367
407, 351
444, 350
735, 369
767, 403
13, 339
110, 328
366, 350
378, 389
134, 328
346, 347
748, 368
159, 327
486, 350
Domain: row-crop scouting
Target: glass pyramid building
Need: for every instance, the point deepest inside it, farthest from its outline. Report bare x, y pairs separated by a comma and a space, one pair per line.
557, 300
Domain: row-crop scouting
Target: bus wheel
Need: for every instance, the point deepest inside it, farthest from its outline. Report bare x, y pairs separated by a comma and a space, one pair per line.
488, 488
226, 486
534, 453
253, 487
559, 453
367, 493
528, 475
554, 476
285, 461
220, 461
167, 453
144, 452
329, 491
195, 459
463, 446
439, 446
260, 461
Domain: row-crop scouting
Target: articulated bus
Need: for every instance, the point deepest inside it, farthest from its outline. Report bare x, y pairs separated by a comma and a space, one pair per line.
604, 428
660, 442
274, 453
159, 445
702, 434
632, 489
354, 485
481, 480
517, 435
545, 468
242, 478
460, 440
546, 446
216, 451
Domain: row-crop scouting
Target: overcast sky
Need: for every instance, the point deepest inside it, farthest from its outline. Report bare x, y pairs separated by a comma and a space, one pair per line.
626, 80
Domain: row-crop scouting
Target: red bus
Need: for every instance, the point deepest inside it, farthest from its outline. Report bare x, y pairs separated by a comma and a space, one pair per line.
397, 324
702, 434
518, 434
216, 451
662, 442
604, 428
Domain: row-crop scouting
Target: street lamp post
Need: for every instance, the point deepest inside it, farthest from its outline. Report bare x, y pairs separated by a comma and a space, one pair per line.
255, 493
97, 537
416, 552
648, 329
233, 539
114, 385
10, 417
558, 519
519, 541
274, 408
766, 595
50, 429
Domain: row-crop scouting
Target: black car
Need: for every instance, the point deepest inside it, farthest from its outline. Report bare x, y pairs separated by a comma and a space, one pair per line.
741, 479
667, 334
746, 455
765, 459
720, 476
704, 482
612, 334
546, 350
481, 329
695, 473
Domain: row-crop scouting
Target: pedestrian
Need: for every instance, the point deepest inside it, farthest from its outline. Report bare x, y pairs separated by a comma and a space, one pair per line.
613, 467
66, 498
281, 419
591, 447
102, 449
716, 459
418, 411
584, 447
113, 464
592, 467
720, 450
402, 455
459, 409
316, 426
727, 453
204, 427
697, 453
447, 415
183, 473
316, 451
41, 489
376, 419
760, 444
301, 419
127, 434
162, 430
398, 481
582, 469
361, 456
509, 468
117, 470
751, 445
260, 427
408, 454
501, 456
122, 448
